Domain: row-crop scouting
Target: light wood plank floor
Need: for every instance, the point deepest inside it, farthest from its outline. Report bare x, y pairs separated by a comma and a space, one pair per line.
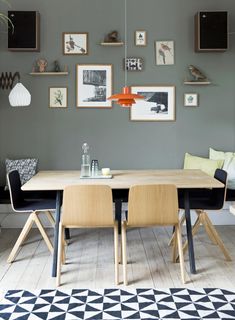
90, 261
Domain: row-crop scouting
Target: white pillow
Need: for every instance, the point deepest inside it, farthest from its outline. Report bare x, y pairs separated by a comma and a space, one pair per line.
220, 155
229, 166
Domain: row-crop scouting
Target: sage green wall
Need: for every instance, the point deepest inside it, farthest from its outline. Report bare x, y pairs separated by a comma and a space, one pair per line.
56, 136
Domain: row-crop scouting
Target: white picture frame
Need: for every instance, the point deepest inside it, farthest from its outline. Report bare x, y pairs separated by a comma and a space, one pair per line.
75, 43
58, 97
141, 38
164, 51
191, 100
94, 84
158, 105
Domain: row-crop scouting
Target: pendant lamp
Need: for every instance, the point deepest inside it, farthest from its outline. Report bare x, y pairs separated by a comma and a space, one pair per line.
19, 96
125, 98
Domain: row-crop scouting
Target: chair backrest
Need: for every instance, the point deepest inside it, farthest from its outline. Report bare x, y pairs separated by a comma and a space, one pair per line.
153, 205
218, 195
87, 206
16, 194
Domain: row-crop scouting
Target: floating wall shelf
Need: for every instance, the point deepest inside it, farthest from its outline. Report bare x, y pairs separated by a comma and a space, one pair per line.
112, 44
197, 83
64, 73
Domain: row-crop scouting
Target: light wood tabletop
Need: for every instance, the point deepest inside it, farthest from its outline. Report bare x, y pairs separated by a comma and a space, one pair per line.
122, 179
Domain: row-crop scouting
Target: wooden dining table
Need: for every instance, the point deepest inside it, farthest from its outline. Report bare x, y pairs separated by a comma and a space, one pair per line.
122, 180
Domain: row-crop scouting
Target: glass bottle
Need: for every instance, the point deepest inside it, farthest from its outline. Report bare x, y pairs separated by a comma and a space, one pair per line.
85, 166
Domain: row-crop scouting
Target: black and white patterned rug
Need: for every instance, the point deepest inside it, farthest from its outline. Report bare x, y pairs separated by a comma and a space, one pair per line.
119, 304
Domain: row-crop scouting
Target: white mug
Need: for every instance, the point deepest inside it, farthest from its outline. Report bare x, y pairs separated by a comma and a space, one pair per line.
105, 171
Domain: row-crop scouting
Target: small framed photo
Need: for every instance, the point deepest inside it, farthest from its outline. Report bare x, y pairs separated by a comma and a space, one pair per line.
191, 100
158, 105
75, 43
94, 85
164, 52
133, 64
140, 38
58, 97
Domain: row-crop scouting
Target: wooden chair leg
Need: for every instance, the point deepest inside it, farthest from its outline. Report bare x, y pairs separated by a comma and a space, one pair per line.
43, 232
218, 239
207, 228
50, 218
182, 220
116, 253
120, 254
174, 248
180, 249
60, 249
21, 238
124, 257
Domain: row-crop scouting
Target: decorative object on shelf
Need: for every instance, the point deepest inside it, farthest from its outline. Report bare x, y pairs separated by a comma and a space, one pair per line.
75, 43
140, 38
197, 74
133, 64
191, 100
94, 85
19, 95
125, 98
58, 97
57, 66
112, 37
42, 64
164, 52
158, 103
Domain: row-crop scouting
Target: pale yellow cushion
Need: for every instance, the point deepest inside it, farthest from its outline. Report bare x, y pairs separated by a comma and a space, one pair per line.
220, 155
204, 164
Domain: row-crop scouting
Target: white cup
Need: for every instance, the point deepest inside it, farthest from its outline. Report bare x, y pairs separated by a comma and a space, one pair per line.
105, 171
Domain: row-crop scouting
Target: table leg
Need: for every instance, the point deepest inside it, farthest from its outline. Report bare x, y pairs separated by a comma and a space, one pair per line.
56, 232
67, 233
189, 232
118, 213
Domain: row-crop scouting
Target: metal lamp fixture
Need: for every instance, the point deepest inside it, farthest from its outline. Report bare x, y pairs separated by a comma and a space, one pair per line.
126, 98
19, 95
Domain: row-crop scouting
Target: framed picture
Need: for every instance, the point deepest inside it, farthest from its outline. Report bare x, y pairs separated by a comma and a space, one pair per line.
94, 85
140, 38
133, 64
75, 43
164, 52
58, 97
158, 105
191, 100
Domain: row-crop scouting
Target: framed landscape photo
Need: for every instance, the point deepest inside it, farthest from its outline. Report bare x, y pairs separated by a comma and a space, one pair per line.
58, 97
133, 64
191, 100
75, 43
164, 52
158, 105
94, 85
140, 38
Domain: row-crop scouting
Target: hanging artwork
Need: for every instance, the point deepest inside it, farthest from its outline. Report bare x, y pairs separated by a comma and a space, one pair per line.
133, 64
94, 85
58, 97
191, 100
164, 52
75, 43
158, 105
140, 38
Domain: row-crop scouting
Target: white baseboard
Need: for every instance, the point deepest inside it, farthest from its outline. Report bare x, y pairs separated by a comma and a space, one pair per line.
10, 219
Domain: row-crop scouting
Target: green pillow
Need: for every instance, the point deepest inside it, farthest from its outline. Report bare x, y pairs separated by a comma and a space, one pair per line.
220, 155
207, 165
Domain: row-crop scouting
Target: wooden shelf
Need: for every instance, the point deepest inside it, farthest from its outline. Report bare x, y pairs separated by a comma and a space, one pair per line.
197, 83
63, 73
112, 44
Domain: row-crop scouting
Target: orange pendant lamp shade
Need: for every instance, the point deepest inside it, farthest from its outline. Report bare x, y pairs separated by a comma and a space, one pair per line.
125, 99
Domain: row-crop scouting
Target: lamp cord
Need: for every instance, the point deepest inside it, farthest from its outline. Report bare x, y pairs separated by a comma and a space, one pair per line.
125, 17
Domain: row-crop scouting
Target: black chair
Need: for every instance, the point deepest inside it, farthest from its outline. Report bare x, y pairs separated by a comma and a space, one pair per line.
202, 200
32, 206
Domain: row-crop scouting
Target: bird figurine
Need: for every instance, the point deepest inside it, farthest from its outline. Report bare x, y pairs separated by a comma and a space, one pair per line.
197, 74
111, 37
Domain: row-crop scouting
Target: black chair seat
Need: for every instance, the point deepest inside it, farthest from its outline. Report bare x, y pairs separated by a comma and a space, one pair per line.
36, 205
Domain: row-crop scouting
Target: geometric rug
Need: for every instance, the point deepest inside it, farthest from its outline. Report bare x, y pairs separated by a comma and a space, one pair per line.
119, 304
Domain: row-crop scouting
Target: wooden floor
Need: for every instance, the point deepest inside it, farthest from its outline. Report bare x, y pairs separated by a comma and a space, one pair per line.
90, 261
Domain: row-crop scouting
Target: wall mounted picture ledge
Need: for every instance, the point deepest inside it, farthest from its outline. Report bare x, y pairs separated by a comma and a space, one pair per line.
94, 84
158, 103
75, 43
58, 97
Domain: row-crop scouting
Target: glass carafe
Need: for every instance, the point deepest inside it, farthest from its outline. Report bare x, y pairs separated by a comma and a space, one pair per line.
85, 166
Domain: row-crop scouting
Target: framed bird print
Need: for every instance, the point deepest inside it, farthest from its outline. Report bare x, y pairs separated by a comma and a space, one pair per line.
164, 51
191, 100
58, 97
75, 43
158, 104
